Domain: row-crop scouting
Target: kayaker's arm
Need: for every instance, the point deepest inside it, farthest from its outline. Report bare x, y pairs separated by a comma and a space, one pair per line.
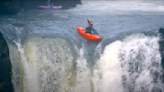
86, 29
96, 32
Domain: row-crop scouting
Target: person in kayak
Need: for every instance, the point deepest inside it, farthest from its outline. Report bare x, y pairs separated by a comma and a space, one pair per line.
49, 5
90, 28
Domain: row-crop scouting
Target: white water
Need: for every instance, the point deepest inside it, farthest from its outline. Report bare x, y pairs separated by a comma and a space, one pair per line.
129, 66
30, 82
52, 64
83, 80
118, 7
109, 70
141, 60
124, 66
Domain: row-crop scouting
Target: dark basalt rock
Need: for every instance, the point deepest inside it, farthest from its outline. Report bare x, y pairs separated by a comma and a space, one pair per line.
9, 6
161, 43
14, 6
5, 67
161, 30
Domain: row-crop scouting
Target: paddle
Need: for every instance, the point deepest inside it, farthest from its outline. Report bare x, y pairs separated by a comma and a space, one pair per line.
88, 21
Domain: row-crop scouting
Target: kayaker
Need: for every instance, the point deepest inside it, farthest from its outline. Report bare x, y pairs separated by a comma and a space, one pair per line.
90, 28
49, 5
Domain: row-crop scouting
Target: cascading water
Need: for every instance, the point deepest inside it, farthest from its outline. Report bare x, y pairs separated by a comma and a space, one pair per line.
140, 60
108, 70
51, 56
29, 72
83, 80
130, 66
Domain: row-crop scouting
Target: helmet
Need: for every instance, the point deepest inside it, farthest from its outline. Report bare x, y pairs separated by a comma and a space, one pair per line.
91, 22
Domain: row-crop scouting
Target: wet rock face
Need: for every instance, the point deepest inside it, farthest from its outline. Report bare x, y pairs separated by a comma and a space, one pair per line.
161, 43
161, 30
13, 6
5, 67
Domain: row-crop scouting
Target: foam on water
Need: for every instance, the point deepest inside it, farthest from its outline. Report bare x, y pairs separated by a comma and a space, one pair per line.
129, 66
117, 7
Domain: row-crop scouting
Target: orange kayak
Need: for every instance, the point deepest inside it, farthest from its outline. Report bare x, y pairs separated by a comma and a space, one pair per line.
88, 35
